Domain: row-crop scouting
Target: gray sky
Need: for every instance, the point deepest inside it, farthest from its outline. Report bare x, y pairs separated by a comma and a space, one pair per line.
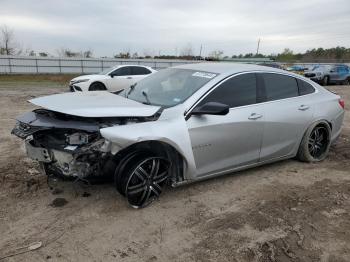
167, 26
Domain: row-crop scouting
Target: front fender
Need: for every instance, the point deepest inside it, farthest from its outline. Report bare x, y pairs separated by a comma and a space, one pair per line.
171, 131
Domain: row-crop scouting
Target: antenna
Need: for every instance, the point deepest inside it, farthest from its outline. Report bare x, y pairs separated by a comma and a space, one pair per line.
257, 50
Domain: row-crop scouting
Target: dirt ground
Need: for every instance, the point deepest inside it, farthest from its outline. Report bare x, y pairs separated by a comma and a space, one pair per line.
287, 211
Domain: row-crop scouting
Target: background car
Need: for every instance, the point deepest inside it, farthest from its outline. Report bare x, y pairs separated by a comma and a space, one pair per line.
111, 79
273, 65
327, 74
319, 74
298, 69
182, 124
340, 74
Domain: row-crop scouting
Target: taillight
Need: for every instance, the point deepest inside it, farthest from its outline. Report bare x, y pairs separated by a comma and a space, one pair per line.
342, 103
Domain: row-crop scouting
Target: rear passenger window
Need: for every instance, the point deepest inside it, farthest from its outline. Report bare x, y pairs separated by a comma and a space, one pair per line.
123, 71
305, 88
138, 70
280, 86
236, 91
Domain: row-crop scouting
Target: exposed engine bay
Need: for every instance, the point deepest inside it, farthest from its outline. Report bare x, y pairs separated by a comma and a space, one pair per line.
67, 145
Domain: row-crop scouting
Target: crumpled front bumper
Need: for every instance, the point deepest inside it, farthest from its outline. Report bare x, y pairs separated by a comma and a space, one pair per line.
65, 163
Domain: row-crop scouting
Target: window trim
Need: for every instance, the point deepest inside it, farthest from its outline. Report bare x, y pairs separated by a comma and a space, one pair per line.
301, 80
187, 113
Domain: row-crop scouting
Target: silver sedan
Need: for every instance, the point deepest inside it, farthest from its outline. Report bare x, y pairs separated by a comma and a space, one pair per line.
182, 124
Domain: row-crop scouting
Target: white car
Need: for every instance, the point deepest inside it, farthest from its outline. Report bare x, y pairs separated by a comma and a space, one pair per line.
111, 79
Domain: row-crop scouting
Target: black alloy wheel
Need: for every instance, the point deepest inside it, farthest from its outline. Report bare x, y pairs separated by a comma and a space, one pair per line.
144, 182
318, 142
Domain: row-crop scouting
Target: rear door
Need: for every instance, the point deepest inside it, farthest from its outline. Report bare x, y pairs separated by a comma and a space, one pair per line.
287, 114
223, 142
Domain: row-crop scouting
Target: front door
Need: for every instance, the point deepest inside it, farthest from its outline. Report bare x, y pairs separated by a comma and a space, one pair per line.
220, 143
122, 78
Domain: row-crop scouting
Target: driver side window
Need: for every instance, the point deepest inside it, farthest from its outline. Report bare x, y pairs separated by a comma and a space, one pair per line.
236, 91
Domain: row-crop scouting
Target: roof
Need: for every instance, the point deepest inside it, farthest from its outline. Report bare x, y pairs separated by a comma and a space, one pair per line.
227, 68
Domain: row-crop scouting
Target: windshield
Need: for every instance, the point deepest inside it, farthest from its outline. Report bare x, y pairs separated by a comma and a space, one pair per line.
106, 71
168, 87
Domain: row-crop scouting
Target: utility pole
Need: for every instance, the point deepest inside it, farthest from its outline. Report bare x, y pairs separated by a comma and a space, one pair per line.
257, 50
200, 52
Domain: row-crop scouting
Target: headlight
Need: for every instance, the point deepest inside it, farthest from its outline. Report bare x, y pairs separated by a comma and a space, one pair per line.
318, 73
79, 81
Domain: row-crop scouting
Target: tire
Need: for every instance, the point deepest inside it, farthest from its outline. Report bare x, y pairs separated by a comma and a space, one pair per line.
141, 177
325, 81
97, 86
346, 82
123, 164
316, 142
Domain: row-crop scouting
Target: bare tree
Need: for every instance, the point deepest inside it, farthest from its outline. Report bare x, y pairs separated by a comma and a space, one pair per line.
187, 50
88, 54
66, 52
147, 53
7, 45
216, 54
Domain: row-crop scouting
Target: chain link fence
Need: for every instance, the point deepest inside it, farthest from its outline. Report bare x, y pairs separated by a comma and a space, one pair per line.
54, 65
48, 65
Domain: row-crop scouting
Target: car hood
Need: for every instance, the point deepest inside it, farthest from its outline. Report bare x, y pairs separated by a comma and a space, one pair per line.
95, 104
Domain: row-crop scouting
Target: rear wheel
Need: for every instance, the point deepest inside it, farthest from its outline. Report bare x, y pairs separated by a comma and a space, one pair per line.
346, 81
97, 87
142, 177
325, 81
315, 144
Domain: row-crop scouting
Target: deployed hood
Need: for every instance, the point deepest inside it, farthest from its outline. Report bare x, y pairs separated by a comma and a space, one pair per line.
95, 104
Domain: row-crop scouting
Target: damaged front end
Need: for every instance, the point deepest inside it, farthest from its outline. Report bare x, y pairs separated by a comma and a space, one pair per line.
66, 145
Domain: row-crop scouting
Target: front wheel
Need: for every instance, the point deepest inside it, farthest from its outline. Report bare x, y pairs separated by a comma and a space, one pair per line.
97, 87
143, 178
316, 142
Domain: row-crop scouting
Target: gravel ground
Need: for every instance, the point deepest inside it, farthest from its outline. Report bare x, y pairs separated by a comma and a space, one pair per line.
287, 211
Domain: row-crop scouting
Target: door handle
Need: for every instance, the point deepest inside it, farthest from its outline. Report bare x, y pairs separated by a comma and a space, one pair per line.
254, 116
129, 77
303, 107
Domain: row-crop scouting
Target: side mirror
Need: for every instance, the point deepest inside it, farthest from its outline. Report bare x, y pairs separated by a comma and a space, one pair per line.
111, 75
211, 108
332, 71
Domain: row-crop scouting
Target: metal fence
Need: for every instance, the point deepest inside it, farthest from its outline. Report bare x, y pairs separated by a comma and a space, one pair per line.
48, 65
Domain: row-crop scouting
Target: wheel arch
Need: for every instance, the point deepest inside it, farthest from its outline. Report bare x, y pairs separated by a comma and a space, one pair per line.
160, 148
318, 120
